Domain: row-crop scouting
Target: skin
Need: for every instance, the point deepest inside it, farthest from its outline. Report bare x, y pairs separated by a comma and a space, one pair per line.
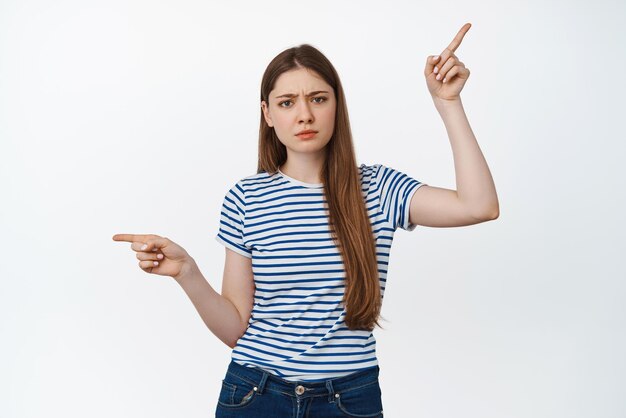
445, 74
288, 116
170, 258
475, 199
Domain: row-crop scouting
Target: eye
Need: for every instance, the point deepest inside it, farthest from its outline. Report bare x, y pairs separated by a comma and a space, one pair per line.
323, 99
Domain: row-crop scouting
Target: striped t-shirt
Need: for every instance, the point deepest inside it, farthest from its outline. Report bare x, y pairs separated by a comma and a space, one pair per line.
296, 330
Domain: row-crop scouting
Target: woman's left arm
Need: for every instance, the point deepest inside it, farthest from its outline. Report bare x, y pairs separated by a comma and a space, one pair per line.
475, 199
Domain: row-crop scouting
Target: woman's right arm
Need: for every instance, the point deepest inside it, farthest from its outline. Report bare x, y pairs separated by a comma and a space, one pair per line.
227, 314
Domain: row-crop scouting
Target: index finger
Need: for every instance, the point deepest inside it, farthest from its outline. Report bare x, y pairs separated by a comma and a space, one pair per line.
130, 237
459, 37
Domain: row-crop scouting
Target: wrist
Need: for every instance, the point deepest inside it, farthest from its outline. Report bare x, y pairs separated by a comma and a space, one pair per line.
447, 103
188, 271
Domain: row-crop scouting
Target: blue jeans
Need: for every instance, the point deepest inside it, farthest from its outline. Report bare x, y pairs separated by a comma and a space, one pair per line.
253, 392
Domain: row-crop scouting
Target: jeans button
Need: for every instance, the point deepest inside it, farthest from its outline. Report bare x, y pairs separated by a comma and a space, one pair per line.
299, 389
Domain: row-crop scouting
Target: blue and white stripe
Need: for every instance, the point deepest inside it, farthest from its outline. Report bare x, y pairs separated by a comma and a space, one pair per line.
296, 330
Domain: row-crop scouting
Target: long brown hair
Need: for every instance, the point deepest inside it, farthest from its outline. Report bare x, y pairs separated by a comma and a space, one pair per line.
351, 229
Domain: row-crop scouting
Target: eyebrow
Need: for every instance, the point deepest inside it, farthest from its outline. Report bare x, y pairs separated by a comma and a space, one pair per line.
313, 93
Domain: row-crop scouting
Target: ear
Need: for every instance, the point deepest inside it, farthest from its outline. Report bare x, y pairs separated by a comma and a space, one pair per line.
266, 113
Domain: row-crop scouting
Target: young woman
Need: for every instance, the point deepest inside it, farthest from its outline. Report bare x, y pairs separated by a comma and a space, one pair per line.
307, 241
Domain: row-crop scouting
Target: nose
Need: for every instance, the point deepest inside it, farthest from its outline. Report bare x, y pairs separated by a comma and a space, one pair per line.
304, 113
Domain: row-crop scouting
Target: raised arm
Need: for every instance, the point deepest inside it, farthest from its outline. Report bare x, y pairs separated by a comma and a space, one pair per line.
475, 199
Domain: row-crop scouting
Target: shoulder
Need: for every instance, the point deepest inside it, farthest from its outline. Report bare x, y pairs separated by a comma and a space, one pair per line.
369, 170
248, 187
374, 172
244, 184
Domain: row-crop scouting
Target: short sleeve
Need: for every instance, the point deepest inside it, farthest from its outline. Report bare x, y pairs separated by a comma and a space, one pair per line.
395, 190
231, 227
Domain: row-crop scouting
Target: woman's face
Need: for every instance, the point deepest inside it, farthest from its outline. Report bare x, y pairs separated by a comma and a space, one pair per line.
301, 100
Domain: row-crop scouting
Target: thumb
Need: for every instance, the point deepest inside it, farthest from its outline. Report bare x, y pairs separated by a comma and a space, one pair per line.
430, 64
154, 244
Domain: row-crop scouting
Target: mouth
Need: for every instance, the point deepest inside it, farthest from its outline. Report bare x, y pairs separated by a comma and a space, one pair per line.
307, 134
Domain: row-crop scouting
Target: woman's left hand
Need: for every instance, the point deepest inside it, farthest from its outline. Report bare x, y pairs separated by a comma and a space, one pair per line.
446, 75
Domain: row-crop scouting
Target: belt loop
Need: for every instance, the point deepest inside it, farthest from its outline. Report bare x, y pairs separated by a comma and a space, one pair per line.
261, 386
331, 390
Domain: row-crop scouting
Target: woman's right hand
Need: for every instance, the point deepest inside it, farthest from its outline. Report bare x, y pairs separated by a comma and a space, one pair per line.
171, 259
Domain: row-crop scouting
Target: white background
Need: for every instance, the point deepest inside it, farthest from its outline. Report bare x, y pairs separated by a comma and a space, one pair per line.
137, 116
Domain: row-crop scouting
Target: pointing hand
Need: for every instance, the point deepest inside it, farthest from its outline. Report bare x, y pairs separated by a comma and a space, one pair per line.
446, 75
158, 255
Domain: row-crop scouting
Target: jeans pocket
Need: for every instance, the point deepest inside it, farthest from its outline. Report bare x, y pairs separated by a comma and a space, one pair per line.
236, 392
362, 402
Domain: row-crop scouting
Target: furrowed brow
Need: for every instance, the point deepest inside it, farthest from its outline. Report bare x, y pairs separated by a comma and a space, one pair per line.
290, 95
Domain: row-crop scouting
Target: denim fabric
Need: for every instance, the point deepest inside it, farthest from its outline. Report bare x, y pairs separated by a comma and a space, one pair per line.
253, 392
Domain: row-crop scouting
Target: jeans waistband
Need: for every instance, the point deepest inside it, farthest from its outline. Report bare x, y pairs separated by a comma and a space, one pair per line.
263, 380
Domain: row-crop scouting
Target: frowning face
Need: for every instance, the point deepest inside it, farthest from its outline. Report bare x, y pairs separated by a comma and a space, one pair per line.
301, 100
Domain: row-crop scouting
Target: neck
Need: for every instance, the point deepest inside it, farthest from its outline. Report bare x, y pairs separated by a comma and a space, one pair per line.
307, 169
